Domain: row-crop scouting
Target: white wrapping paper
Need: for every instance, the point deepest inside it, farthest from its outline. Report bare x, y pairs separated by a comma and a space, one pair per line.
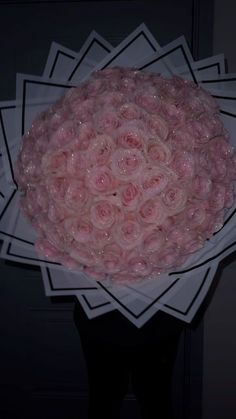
180, 292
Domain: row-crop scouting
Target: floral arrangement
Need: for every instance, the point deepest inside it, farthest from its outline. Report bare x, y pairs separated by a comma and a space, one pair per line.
126, 175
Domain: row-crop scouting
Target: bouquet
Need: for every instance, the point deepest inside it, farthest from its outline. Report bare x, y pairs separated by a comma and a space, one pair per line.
127, 180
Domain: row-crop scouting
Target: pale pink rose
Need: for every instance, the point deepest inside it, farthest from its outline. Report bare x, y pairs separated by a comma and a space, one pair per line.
100, 150
130, 111
103, 214
100, 238
158, 126
76, 163
218, 169
112, 258
79, 228
214, 223
221, 147
85, 132
154, 240
154, 180
94, 87
229, 195
44, 248
149, 102
205, 128
183, 163
201, 186
71, 264
82, 254
207, 101
193, 244
139, 265
158, 152
83, 110
54, 162
152, 211
127, 164
181, 139
174, 198
172, 114
57, 118
41, 197
64, 134
56, 213
39, 126
129, 136
100, 180
128, 234
76, 195
217, 197
108, 99
29, 204
106, 121
195, 214
56, 187
130, 196
231, 168
166, 258
128, 85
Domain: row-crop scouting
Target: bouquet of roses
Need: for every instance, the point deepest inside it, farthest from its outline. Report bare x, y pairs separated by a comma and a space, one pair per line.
125, 175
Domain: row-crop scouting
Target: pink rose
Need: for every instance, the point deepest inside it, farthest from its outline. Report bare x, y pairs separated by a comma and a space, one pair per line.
139, 265
158, 126
100, 180
148, 101
201, 186
166, 258
64, 134
129, 136
56, 187
43, 247
83, 254
154, 181
181, 140
108, 99
103, 214
130, 111
85, 132
217, 198
100, 238
55, 162
112, 258
76, 195
195, 214
154, 240
183, 164
106, 121
100, 150
130, 195
128, 234
127, 164
152, 211
79, 228
174, 198
76, 164
158, 152
94, 87
83, 110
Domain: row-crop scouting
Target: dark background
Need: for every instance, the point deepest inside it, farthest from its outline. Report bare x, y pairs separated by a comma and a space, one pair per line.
43, 373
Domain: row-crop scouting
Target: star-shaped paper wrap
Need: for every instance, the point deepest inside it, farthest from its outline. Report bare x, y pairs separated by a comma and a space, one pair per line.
179, 292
